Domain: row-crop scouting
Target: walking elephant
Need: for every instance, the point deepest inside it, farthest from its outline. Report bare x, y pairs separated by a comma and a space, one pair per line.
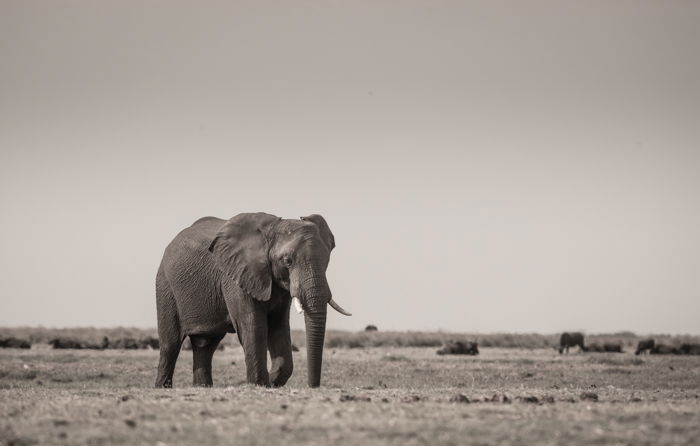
241, 276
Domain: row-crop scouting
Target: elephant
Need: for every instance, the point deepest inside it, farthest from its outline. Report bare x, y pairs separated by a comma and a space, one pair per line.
371, 327
645, 346
241, 276
459, 348
570, 340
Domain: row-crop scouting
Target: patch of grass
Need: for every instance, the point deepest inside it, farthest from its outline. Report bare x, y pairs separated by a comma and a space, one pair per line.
394, 358
374, 395
596, 358
618, 370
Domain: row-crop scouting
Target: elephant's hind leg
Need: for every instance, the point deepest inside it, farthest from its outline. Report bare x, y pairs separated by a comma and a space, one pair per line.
168, 332
203, 349
169, 351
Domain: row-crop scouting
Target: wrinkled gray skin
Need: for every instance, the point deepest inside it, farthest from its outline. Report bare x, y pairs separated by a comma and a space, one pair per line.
239, 276
568, 340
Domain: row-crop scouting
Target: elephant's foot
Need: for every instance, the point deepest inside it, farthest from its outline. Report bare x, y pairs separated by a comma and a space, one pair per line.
202, 379
166, 384
279, 377
259, 379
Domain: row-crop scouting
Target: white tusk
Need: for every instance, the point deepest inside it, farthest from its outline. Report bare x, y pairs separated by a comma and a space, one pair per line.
297, 305
338, 308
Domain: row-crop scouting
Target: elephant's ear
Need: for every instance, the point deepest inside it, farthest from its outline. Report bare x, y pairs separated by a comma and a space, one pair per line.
326, 234
241, 252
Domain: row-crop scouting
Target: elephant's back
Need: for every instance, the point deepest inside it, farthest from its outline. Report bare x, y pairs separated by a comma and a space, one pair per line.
191, 244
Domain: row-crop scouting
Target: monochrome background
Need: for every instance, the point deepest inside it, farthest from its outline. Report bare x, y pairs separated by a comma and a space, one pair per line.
485, 166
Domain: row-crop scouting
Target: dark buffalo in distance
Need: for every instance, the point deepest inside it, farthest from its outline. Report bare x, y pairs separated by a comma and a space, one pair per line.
67, 343
689, 349
645, 346
371, 327
568, 340
74, 344
608, 347
126, 344
593, 348
612, 347
13, 342
663, 349
118, 344
459, 348
151, 342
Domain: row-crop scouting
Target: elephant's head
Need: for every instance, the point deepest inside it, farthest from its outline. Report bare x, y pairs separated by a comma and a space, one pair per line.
256, 249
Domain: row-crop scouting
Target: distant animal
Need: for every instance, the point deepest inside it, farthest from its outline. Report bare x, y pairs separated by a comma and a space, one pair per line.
150, 342
689, 349
459, 348
66, 343
608, 347
240, 276
663, 349
568, 340
645, 346
593, 348
371, 328
612, 347
13, 342
118, 344
101, 346
125, 344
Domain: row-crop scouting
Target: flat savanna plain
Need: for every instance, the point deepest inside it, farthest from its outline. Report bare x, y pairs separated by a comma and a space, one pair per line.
374, 395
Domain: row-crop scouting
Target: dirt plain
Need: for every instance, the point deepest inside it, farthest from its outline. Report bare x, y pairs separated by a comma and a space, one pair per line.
376, 395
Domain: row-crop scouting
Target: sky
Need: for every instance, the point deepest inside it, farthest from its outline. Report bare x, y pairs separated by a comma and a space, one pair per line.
485, 166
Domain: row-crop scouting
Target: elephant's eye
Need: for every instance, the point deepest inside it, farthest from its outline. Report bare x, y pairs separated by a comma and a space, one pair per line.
287, 261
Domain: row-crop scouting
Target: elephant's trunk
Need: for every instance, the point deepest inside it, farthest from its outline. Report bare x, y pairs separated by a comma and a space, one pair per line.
315, 334
316, 294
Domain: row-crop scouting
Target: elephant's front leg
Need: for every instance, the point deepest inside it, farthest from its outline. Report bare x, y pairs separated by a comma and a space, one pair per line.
252, 332
280, 344
250, 321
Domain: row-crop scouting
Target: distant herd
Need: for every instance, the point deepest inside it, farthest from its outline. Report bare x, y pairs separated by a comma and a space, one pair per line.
451, 347
576, 339
148, 342
569, 340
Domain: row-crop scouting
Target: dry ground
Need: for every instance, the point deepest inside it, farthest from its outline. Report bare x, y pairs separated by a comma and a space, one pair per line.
382, 395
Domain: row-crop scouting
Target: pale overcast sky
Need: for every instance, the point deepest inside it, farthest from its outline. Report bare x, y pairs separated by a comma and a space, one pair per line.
485, 165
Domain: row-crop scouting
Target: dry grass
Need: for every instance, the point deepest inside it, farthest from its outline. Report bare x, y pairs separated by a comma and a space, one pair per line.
381, 395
